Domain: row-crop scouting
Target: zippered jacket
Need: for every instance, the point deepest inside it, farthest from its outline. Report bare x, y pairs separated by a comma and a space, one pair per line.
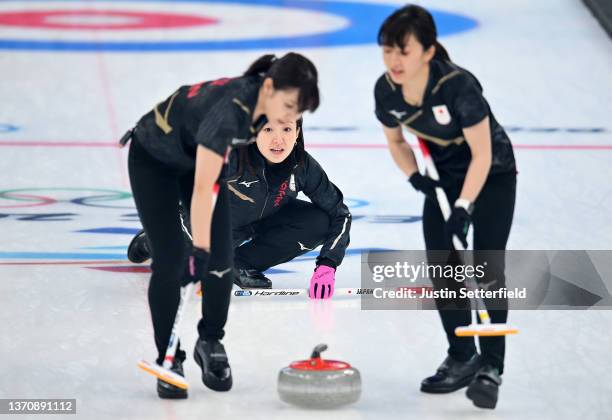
256, 193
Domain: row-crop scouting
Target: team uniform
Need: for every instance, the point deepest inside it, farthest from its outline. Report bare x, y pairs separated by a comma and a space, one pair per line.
216, 115
271, 225
453, 100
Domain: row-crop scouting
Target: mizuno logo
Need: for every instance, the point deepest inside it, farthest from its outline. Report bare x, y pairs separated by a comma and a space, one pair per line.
397, 114
485, 286
247, 183
220, 274
303, 248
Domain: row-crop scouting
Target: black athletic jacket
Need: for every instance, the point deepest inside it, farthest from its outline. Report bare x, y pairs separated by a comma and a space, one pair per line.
256, 195
215, 114
453, 100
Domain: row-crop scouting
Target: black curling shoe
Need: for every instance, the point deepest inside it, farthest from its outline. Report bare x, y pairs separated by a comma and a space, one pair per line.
211, 357
484, 389
138, 250
451, 375
169, 391
252, 279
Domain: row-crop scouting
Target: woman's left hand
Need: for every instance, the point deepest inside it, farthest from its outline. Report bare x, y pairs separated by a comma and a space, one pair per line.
322, 283
458, 224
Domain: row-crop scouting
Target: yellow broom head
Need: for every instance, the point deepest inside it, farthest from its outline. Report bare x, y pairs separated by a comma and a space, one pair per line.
163, 374
485, 330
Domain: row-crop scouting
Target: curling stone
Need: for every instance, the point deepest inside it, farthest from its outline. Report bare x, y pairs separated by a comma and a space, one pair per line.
319, 383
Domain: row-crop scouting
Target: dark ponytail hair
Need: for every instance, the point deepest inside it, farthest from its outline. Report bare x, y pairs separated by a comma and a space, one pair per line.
411, 20
291, 71
261, 65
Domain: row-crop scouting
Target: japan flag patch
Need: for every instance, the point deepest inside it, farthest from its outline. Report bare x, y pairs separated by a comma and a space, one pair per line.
443, 117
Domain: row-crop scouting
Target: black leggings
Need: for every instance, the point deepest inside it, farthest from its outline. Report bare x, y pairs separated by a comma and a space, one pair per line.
492, 219
157, 189
294, 230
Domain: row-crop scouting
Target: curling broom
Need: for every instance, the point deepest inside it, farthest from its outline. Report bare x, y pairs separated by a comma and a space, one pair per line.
486, 327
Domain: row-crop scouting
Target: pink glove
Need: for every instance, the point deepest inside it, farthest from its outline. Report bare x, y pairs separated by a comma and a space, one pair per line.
322, 283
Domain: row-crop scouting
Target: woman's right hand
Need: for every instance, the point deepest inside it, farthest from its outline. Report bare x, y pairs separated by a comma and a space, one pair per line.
424, 184
197, 266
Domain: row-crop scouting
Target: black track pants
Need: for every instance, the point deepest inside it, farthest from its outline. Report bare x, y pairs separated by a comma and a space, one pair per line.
157, 189
492, 219
294, 230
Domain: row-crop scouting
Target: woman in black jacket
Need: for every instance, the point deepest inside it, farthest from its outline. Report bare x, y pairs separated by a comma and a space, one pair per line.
270, 225
443, 105
177, 153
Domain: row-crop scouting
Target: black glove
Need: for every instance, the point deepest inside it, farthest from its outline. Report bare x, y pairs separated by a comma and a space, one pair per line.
458, 225
424, 184
197, 266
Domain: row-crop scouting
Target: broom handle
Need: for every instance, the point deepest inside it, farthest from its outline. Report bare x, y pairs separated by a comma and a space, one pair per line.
185, 296
173, 343
430, 168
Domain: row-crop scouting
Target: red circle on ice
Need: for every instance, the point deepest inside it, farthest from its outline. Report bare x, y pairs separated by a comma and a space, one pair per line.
101, 19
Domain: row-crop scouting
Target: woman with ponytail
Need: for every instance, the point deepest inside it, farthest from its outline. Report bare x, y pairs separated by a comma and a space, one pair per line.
177, 153
442, 104
270, 225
